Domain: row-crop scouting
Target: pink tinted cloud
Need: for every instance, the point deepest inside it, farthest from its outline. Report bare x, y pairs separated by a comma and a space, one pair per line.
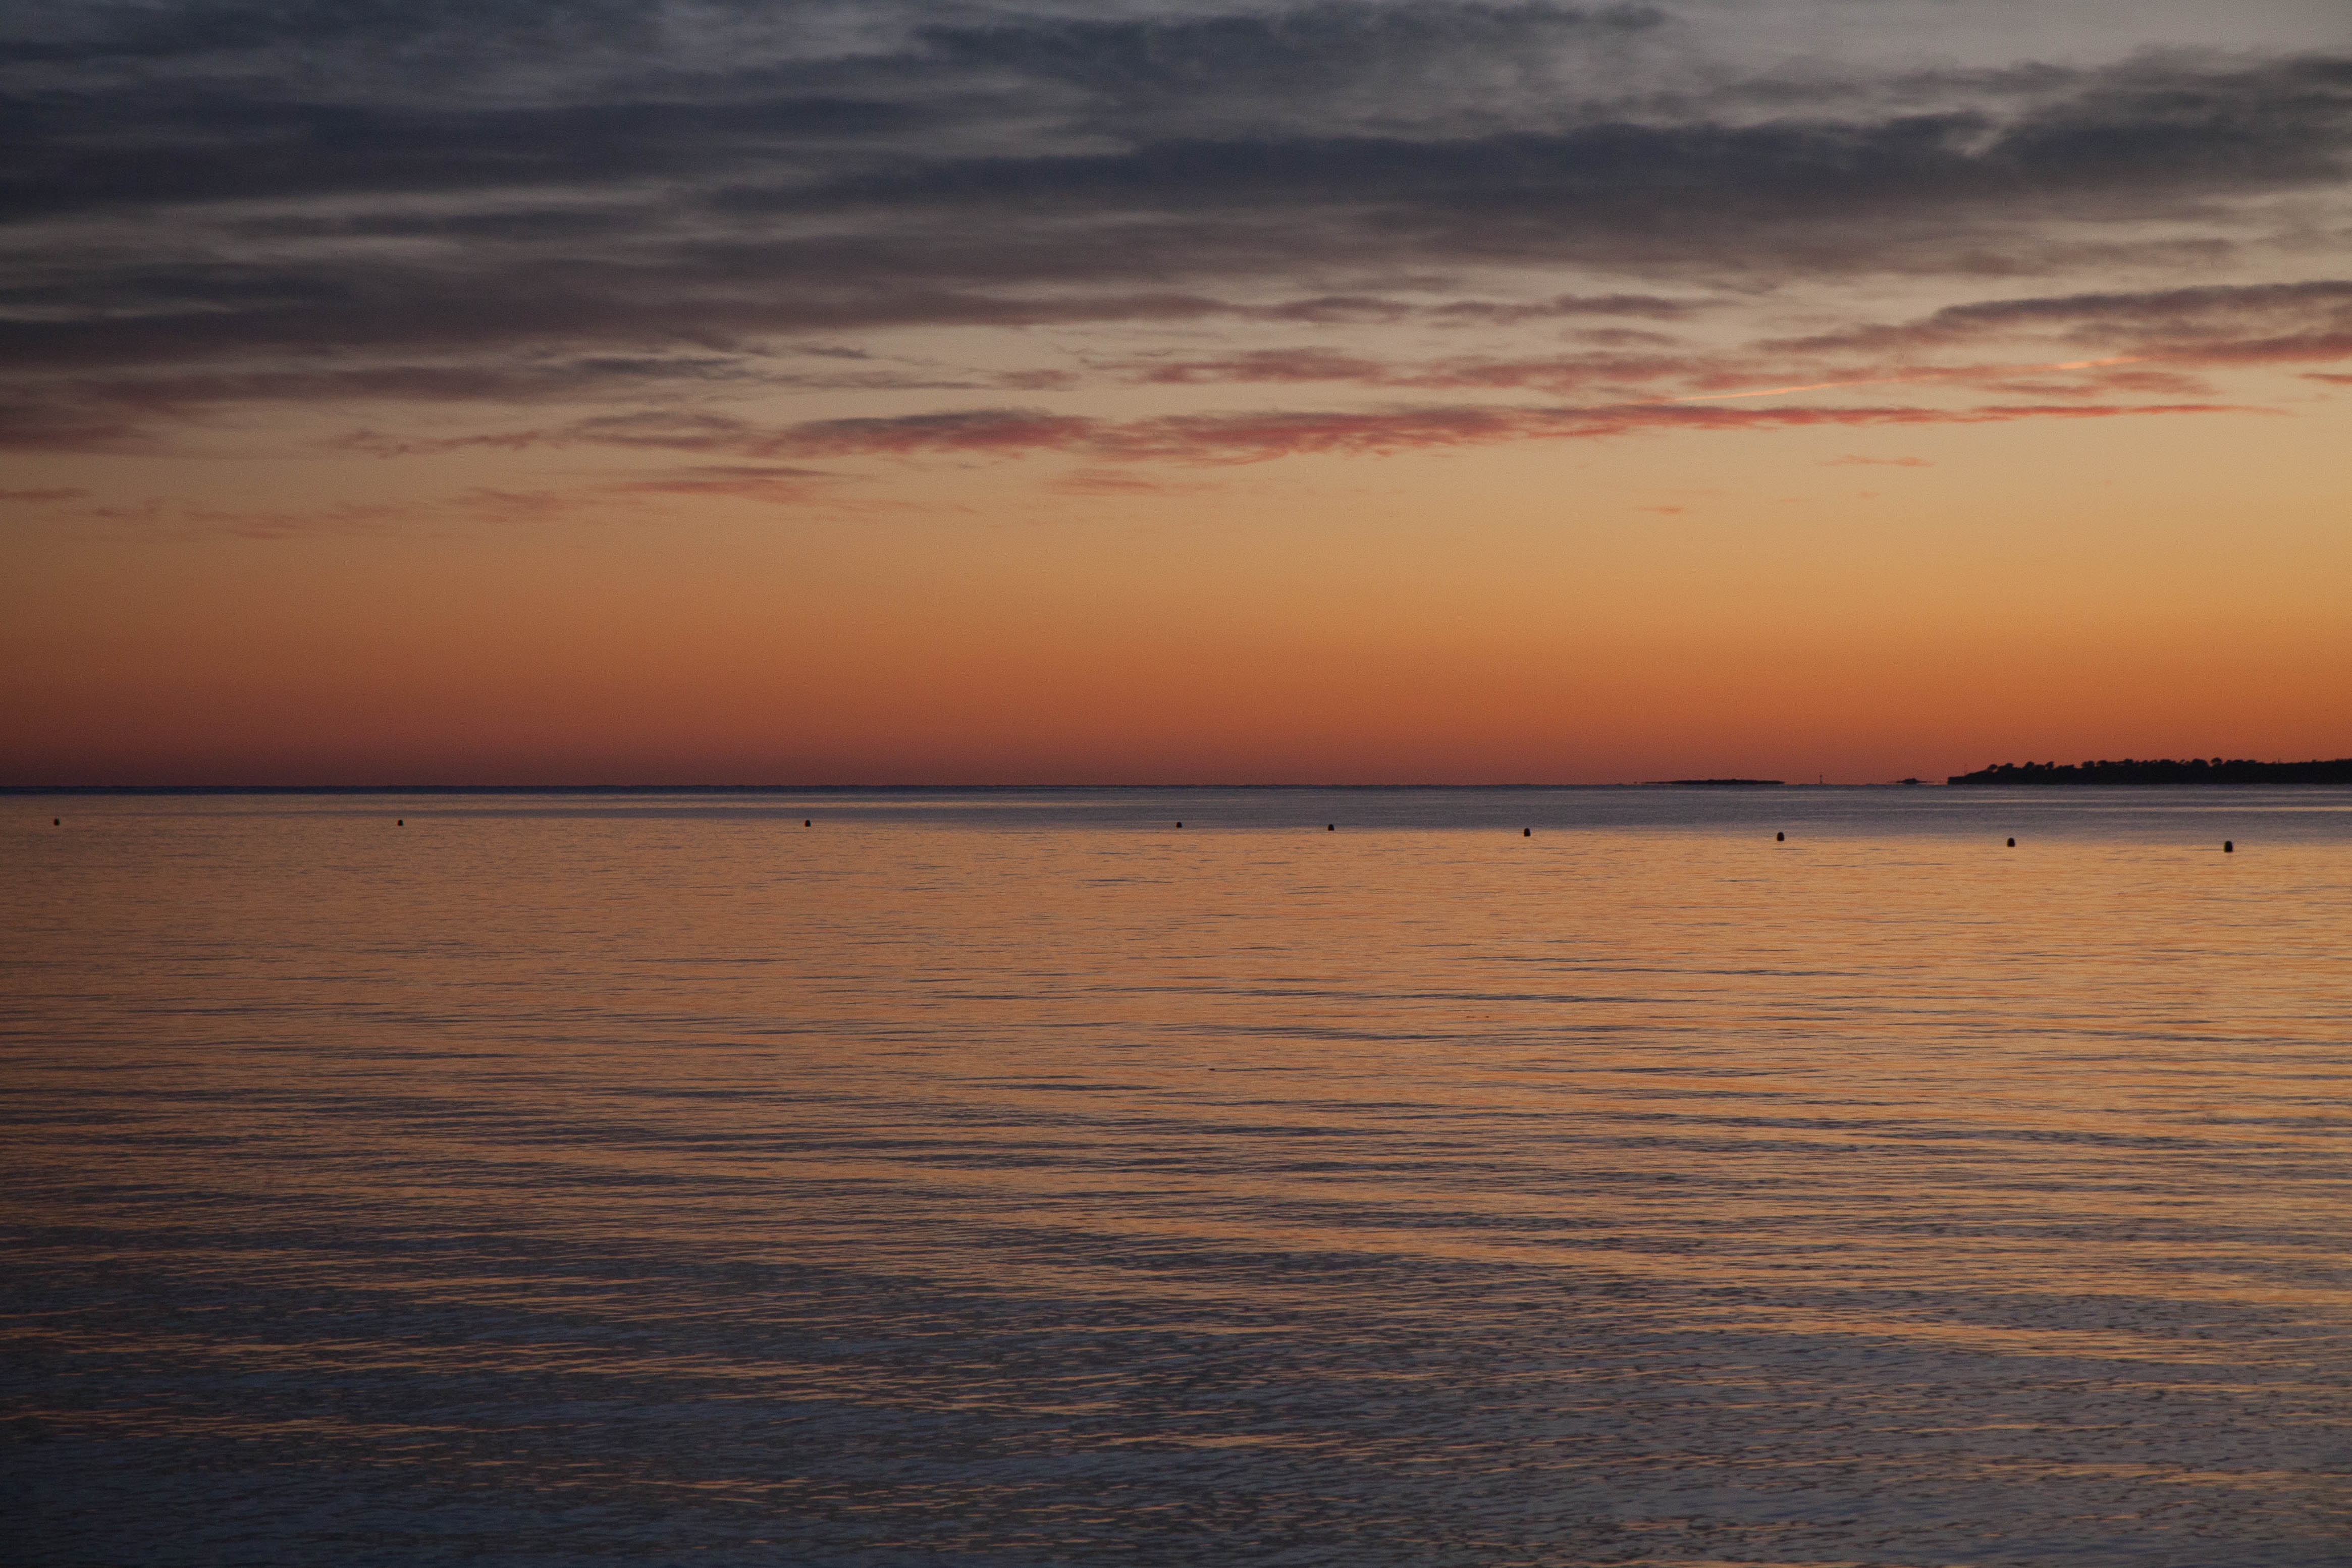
1009, 431
377, 444
746, 482
1097, 481
1561, 375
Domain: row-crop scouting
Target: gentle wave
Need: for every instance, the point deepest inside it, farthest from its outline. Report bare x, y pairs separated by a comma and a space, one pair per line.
1011, 1178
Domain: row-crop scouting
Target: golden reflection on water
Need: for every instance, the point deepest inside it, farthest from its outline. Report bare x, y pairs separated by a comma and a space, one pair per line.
1454, 1195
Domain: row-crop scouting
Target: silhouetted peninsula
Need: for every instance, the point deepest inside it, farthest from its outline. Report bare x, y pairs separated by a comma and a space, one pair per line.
2162, 770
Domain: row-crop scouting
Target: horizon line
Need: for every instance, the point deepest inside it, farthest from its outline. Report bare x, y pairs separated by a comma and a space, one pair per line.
6, 790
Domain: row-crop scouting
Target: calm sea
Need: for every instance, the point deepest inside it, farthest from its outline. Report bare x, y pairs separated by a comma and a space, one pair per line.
1013, 1177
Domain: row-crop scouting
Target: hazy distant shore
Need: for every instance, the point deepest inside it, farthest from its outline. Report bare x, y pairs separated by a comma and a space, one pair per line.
2127, 772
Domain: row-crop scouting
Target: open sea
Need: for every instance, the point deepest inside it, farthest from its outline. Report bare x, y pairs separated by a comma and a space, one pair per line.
996, 1178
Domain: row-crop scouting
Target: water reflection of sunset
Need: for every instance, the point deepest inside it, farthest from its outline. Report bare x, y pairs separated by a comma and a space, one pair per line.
1386, 1149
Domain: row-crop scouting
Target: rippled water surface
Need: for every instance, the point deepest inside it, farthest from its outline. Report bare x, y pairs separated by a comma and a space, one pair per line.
1346, 1177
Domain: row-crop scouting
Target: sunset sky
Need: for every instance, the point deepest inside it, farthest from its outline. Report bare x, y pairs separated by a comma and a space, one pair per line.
399, 390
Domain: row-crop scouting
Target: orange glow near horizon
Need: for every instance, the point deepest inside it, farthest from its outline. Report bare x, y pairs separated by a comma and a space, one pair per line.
1212, 392
1543, 612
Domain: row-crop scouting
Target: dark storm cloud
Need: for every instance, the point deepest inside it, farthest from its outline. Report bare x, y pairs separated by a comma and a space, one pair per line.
212, 203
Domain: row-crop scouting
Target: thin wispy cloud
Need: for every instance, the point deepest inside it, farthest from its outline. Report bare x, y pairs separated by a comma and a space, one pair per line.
1245, 437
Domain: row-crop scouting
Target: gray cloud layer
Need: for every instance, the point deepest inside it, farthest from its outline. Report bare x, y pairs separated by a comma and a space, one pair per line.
212, 203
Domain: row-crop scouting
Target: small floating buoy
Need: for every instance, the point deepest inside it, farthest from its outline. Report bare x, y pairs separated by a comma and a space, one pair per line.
56, 822
400, 821
1330, 826
1780, 838
808, 822
1180, 824
2228, 847
2012, 844
1527, 832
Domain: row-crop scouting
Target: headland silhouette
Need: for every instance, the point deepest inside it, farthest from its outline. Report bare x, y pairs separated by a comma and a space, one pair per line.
2162, 770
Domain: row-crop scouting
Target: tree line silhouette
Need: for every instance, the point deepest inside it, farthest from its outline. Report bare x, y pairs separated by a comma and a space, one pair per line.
2162, 770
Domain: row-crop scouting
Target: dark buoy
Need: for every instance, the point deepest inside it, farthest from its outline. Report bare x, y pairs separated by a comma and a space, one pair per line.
2229, 848
808, 822
400, 821
1330, 826
2012, 844
1527, 832
1780, 838
56, 822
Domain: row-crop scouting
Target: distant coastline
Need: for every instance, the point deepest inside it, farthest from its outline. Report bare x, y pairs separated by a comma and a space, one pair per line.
2162, 770
36, 789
